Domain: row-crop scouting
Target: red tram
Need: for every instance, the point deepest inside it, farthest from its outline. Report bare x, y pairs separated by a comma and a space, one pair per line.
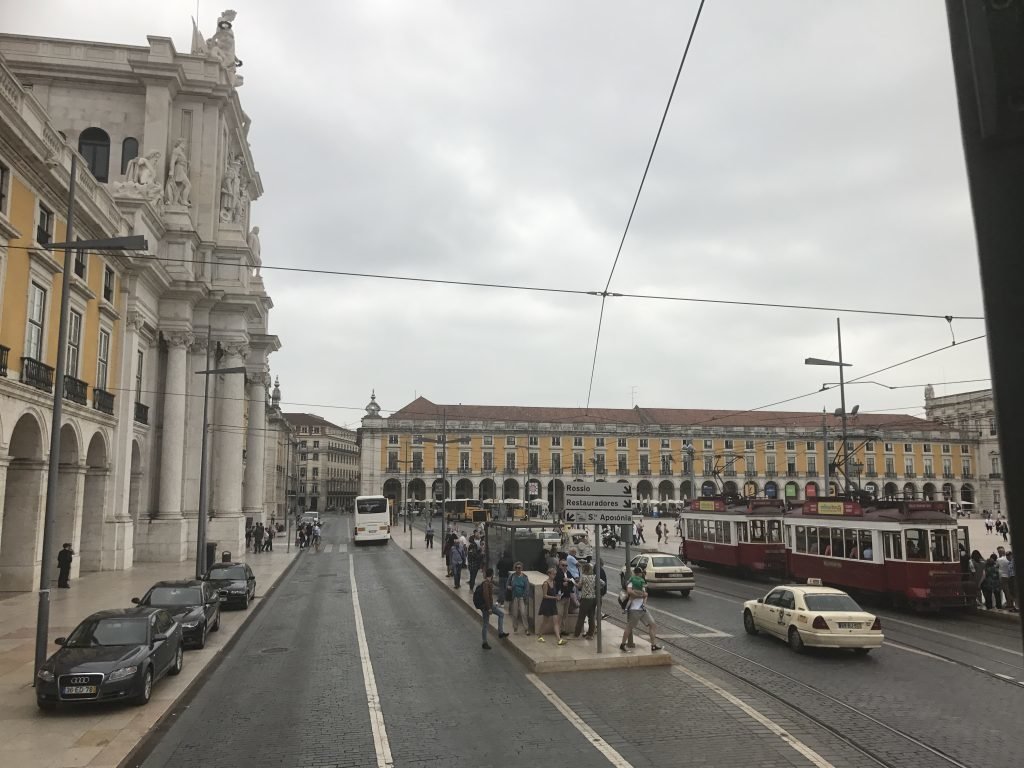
910, 551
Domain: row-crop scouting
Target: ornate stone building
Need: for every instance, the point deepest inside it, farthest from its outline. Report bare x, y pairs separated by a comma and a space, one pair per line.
326, 474
164, 152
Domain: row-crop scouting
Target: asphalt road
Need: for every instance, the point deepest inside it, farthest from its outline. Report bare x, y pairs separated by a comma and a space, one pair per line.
293, 690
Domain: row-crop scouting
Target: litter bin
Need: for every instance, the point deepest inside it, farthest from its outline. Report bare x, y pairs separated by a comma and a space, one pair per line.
211, 554
225, 556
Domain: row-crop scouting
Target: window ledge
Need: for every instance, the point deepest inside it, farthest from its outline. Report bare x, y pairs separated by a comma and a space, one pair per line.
7, 229
107, 310
79, 286
43, 258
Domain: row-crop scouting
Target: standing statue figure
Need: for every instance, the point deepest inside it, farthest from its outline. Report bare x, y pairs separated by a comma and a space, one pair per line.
222, 46
178, 189
229, 189
254, 248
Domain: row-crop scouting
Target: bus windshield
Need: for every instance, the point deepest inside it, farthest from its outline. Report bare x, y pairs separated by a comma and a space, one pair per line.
371, 506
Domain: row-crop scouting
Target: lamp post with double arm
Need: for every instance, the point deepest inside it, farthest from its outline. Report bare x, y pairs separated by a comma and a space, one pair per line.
841, 412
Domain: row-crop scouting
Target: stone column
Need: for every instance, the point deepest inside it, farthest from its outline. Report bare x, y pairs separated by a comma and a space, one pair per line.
255, 447
172, 444
227, 526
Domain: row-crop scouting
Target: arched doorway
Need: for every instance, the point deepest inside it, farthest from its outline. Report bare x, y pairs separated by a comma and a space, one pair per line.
872, 488
750, 489
94, 504
771, 490
891, 490
729, 488
417, 489
70, 487
811, 490
928, 492
487, 489
967, 493
393, 490
792, 490
707, 488
21, 534
464, 489
556, 497
666, 490
686, 490
948, 492
644, 490
440, 489
532, 489
510, 488
909, 491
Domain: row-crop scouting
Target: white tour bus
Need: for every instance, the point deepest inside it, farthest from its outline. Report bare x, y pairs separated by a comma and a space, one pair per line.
373, 519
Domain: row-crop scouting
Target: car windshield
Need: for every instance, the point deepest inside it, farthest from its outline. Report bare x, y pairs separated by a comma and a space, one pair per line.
234, 573
94, 633
668, 561
831, 603
168, 597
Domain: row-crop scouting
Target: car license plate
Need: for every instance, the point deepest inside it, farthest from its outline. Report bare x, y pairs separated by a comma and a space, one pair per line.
371, 529
849, 625
72, 690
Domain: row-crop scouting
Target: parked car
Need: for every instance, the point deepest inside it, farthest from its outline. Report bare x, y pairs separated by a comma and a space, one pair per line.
193, 604
115, 655
664, 573
234, 582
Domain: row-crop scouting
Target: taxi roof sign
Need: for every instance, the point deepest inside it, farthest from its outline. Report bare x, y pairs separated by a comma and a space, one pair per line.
814, 582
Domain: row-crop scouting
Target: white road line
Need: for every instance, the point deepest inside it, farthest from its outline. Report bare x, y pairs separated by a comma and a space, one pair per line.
950, 634
908, 649
580, 725
813, 757
733, 600
380, 734
709, 631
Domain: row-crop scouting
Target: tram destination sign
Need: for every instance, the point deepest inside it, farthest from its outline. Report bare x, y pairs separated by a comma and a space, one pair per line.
598, 503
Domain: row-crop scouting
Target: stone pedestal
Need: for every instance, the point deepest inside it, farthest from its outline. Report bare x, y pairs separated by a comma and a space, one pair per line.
161, 541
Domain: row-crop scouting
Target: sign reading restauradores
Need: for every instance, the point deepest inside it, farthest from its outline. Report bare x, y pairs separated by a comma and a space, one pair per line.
598, 503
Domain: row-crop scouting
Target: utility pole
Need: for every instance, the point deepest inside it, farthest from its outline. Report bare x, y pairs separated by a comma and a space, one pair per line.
988, 69
842, 403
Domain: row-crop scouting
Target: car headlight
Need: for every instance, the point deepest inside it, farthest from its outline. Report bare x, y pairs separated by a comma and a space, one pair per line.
238, 591
190, 624
121, 674
45, 675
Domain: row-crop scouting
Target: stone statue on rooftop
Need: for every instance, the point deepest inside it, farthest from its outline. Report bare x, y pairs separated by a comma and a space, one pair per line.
222, 46
178, 190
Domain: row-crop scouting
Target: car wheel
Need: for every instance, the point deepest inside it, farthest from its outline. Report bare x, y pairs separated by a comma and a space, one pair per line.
147, 689
795, 641
216, 624
46, 706
862, 651
179, 660
685, 592
245, 602
202, 638
748, 623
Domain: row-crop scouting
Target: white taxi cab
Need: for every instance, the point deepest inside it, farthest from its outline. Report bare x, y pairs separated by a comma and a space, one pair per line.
813, 615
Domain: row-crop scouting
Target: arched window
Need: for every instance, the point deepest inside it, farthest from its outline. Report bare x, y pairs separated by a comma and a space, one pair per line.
129, 151
94, 146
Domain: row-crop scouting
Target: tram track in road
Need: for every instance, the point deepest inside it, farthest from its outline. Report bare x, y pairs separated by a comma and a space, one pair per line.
804, 711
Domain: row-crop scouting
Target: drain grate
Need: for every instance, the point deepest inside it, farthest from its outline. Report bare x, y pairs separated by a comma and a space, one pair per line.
275, 650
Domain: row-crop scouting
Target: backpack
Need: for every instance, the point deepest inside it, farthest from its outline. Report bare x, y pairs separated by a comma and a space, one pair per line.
478, 597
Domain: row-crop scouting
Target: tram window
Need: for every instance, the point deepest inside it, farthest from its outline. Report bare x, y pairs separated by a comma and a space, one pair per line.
726, 535
775, 530
893, 548
835, 547
801, 538
741, 532
812, 540
941, 550
866, 550
917, 544
757, 530
689, 529
852, 550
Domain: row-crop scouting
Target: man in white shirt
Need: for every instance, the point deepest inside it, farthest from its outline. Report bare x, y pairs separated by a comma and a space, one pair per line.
1006, 579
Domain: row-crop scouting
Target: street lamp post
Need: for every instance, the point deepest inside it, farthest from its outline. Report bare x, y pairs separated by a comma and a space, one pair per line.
693, 476
842, 398
134, 243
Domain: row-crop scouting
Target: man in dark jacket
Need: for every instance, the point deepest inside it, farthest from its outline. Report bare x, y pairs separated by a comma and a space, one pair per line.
487, 593
64, 558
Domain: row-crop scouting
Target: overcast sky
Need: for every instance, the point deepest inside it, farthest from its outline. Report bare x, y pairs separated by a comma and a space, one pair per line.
812, 155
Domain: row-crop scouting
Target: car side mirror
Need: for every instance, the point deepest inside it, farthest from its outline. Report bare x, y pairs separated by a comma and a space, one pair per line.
60, 641
136, 600
760, 599
159, 637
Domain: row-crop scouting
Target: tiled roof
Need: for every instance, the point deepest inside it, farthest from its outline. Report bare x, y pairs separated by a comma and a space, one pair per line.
423, 409
308, 420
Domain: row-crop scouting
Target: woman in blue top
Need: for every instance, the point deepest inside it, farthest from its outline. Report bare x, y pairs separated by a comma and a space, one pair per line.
519, 593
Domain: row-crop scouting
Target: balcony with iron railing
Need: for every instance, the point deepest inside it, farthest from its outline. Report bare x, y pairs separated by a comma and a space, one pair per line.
666, 472
645, 471
103, 401
43, 237
910, 473
948, 475
707, 473
771, 473
965, 475
76, 390
4, 353
750, 473
871, 473
36, 374
812, 473
141, 413
729, 473
890, 474
792, 473
929, 475
995, 475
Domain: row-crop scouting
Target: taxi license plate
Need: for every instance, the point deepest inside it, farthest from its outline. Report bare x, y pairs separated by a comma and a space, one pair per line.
72, 690
849, 625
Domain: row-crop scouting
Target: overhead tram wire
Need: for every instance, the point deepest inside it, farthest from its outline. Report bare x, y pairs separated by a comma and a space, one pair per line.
636, 200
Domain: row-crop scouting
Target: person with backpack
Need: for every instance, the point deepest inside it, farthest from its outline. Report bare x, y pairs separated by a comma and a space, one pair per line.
588, 601
483, 601
504, 568
519, 594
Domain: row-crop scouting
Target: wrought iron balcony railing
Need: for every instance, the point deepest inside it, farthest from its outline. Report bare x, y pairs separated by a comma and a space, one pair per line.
141, 413
76, 390
37, 374
103, 401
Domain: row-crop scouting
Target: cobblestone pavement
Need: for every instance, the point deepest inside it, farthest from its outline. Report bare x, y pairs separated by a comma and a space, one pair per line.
291, 691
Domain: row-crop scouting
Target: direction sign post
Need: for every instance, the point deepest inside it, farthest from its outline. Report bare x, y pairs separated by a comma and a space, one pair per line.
598, 504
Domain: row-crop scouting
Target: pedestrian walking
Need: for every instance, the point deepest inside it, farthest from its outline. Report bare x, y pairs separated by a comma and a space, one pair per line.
657, 530
636, 611
269, 545
428, 535
567, 590
976, 566
64, 558
473, 558
1006, 531
588, 601
640, 532
519, 594
549, 608
1006, 578
489, 607
991, 586
257, 538
248, 538
457, 556
989, 525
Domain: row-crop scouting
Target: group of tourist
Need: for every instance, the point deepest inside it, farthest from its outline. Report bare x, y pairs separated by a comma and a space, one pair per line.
260, 538
995, 577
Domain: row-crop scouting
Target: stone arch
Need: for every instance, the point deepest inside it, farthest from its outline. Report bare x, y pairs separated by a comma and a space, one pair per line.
891, 490
750, 489
729, 488
417, 489
70, 489
94, 503
967, 493
686, 490
510, 488
707, 488
487, 489
771, 490
792, 490
949, 492
909, 491
644, 490
556, 497
21, 534
533, 488
392, 489
440, 489
811, 490
464, 489
928, 492
666, 490
872, 488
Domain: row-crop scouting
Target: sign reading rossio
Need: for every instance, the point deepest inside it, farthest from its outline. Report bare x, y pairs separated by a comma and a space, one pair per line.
598, 503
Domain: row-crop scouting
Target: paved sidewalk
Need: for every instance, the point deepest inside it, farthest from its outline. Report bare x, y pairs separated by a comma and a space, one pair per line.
100, 735
576, 656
